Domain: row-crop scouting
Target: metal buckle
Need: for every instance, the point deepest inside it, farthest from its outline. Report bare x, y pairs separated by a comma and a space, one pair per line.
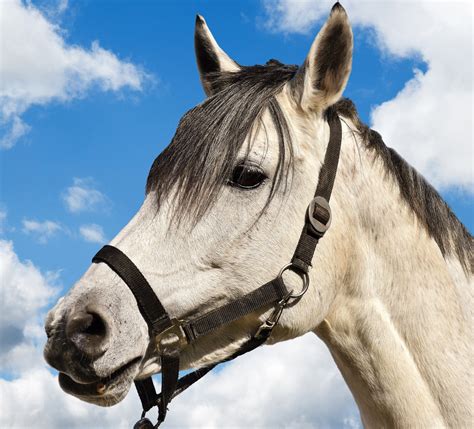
303, 276
172, 338
319, 227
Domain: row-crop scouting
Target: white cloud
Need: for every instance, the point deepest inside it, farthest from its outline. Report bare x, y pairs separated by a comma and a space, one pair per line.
43, 231
38, 66
92, 233
53, 9
24, 292
295, 16
430, 120
82, 196
62, 5
18, 129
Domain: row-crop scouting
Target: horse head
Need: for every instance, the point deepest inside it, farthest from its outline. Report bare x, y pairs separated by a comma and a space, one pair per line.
225, 204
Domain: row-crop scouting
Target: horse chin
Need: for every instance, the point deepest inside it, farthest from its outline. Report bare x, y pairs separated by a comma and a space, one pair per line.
106, 391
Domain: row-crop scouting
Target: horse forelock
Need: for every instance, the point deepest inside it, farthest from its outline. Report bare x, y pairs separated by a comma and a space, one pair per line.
209, 138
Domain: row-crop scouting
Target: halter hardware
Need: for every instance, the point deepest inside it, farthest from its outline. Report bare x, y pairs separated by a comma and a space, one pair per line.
303, 276
319, 215
172, 335
266, 327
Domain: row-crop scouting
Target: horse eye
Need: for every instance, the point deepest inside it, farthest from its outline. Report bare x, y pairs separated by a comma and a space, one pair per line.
247, 177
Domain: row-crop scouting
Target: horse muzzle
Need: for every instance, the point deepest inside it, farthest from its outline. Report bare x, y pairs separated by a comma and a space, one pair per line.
76, 343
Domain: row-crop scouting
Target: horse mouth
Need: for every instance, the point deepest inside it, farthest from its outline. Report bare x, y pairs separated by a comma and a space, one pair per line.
106, 390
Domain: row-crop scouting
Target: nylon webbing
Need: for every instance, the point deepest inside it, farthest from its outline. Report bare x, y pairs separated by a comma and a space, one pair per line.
169, 381
305, 249
150, 306
147, 393
327, 174
269, 293
309, 237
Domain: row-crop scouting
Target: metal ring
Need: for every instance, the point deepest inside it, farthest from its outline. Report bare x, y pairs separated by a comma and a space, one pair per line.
304, 277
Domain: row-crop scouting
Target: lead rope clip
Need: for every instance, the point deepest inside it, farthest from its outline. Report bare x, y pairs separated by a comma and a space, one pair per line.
144, 423
266, 327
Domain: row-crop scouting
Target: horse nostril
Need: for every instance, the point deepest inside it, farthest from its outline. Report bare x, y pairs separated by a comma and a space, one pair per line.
88, 332
78, 323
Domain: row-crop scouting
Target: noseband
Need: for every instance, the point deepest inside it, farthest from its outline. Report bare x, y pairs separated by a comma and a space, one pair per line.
171, 336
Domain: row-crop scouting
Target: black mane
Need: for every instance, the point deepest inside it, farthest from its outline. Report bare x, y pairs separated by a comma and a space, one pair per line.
204, 150
430, 209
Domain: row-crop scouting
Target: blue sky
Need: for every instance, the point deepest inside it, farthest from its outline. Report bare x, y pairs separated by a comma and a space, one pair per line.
103, 139
113, 137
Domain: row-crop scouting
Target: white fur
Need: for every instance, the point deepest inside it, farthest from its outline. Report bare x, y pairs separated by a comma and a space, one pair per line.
394, 313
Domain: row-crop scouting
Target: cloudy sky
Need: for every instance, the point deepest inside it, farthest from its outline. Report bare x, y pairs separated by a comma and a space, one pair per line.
91, 92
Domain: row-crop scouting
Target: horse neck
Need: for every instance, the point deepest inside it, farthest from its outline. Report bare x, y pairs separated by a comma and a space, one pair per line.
398, 328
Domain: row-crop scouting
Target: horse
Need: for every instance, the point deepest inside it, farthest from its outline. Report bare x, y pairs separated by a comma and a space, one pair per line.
390, 287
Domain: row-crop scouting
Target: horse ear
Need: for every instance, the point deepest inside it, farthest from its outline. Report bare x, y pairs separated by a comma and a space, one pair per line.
211, 59
320, 81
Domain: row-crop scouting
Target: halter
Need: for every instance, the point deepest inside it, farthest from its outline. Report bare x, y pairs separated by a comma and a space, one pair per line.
170, 336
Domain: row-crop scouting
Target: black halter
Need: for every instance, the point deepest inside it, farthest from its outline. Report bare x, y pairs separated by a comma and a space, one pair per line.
172, 335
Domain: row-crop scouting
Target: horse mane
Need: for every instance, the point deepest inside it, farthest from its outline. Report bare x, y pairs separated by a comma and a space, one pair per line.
429, 207
207, 142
